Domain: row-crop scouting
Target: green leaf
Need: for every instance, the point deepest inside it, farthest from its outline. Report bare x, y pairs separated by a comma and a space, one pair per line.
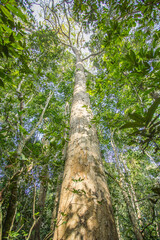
152, 110
136, 117
23, 157
16, 12
138, 15
37, 213
83, 191
157, 52
22, 129
63, 214
5, 50
132, 56
78, 180
21, 112
1, 83
6, 13
132, 125
11, 38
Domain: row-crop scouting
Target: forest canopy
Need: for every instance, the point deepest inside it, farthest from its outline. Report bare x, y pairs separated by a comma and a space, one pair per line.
80, 109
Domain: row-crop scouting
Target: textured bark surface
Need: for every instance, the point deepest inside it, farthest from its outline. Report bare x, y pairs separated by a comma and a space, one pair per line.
85, 211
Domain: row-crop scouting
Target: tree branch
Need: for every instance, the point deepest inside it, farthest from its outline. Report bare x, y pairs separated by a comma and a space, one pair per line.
79, 35
69, 26
22, 143
92, 54
153, 218
148, 197
65, 44
49, 235
112, 178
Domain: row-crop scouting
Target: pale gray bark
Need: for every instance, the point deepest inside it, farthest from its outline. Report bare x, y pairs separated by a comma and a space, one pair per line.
85, 210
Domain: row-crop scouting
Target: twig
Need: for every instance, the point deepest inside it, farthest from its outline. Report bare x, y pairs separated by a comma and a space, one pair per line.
20, 228
153, 218
11, 227
69, 26
29, 100
48, 235
112, 178
149, 196
79, 35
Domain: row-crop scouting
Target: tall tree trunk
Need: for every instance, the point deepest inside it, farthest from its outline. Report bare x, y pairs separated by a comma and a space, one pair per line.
85, 210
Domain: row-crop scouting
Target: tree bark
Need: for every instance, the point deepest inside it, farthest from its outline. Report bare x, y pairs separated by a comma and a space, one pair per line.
85, 210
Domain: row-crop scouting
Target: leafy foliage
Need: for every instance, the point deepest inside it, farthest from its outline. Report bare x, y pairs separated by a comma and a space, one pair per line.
147, 127
124, 91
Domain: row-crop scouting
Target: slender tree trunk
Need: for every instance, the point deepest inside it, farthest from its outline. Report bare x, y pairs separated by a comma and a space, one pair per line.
56, 203
41, 203
132, 216
60, 177
124, 189
0, 220
133, 196
11, 209
9, 219
40, 208
118, 226
85, 210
